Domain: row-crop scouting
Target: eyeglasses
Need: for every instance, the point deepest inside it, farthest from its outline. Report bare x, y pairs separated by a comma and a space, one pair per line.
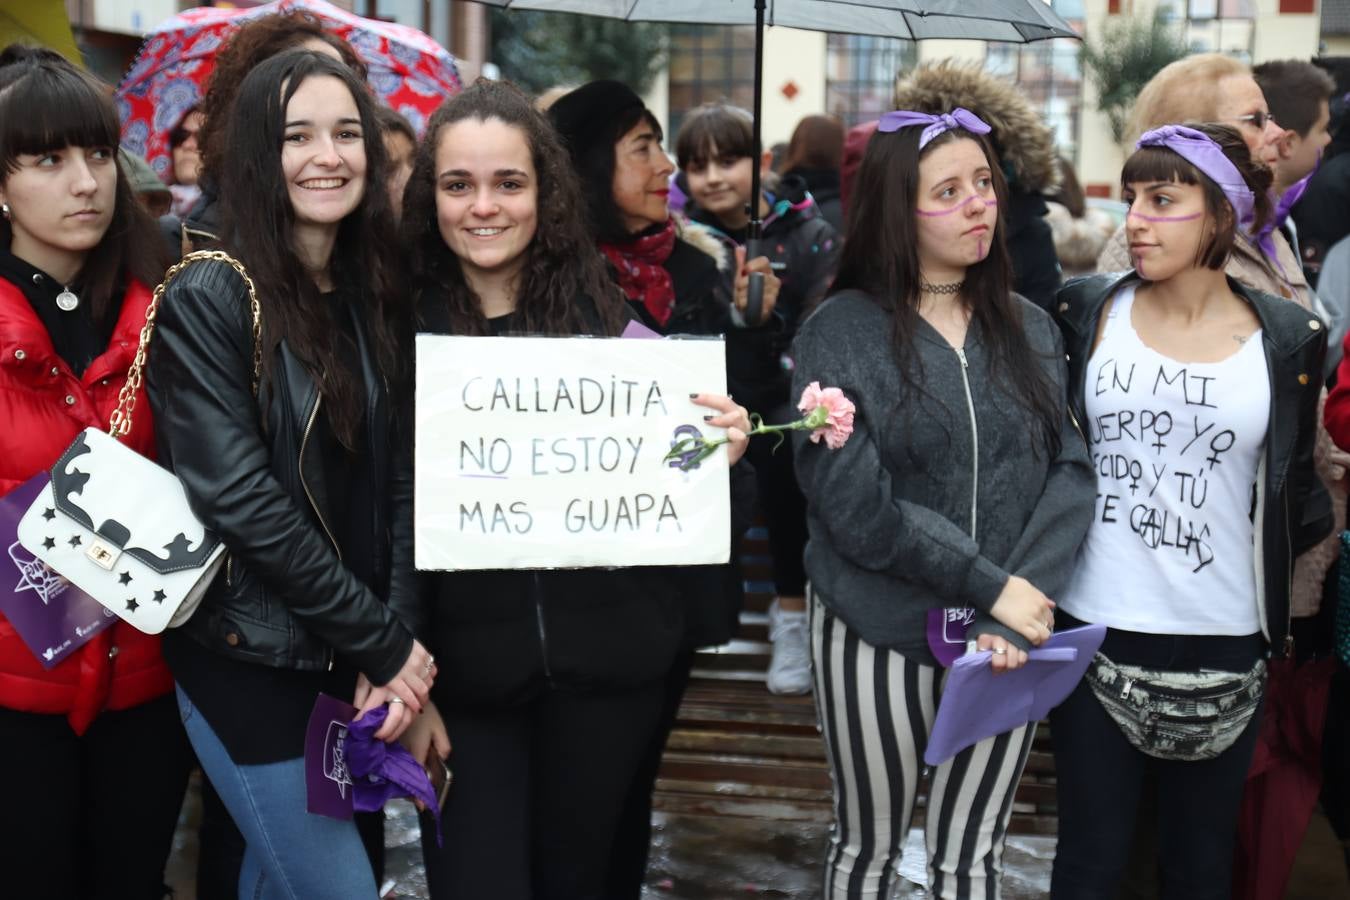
1258, 119
180, 135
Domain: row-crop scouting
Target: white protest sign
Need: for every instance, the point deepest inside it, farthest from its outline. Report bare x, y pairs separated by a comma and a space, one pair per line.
547, 453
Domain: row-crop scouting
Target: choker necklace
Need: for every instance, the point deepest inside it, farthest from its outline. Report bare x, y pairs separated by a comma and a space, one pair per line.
950, 288
67, 300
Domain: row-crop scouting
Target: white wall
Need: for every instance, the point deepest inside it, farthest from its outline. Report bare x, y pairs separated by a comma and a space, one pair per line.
799, 57
130, 16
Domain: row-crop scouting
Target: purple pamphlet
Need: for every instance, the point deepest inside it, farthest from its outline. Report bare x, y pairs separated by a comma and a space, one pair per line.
635, 329
947, 633
52, 616
977, 704
328, 779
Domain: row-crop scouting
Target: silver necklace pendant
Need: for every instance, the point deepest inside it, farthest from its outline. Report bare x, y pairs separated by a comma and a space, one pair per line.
67, 300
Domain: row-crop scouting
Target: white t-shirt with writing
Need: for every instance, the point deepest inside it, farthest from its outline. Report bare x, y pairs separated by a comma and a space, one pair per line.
1176, 447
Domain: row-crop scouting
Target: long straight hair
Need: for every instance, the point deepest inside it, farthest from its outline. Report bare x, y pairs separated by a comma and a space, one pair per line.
47, 104
881, 258
561, 263
258, 225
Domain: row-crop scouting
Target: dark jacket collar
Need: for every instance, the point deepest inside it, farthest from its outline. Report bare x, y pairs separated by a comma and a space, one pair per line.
1081, 301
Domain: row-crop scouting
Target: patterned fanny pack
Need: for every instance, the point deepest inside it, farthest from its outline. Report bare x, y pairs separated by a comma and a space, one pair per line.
1184, 716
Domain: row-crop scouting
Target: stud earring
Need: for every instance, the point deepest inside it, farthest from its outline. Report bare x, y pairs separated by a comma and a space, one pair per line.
4, 210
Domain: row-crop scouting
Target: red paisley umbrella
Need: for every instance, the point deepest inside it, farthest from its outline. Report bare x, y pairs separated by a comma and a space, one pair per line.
409, 70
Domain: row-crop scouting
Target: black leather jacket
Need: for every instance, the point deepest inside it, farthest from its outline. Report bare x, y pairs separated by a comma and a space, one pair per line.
285, 599
1288, 490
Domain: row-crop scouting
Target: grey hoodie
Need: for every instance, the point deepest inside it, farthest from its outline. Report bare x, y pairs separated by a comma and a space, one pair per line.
890, 513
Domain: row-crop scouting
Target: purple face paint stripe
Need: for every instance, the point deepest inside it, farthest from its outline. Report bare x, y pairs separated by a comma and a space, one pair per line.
1192, 217
947, 212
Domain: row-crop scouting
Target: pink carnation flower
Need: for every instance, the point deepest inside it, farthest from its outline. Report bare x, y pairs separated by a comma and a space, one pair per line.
829, 414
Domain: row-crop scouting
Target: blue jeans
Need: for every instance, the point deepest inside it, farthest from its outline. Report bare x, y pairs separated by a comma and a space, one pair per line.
290, 853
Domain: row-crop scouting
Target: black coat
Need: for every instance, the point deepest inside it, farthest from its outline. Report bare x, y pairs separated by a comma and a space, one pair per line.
286, 599
1295, 342
1031, 246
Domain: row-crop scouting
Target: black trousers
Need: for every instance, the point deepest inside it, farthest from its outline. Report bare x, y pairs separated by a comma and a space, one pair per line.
784, 508
537, 794
632, 842
91, 817
1100, 779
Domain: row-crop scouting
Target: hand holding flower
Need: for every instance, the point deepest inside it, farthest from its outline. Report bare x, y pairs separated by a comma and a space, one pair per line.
733, 417
828, 416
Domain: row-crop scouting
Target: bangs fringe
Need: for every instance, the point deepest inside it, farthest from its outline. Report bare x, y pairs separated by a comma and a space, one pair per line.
723, 131
49, 109
1150, 165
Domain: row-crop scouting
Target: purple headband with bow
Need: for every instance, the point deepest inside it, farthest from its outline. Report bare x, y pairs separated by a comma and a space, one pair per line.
934, 125
1199, 150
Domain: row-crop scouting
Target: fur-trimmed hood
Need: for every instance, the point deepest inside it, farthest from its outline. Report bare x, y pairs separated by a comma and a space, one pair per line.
1020, 134
702, 238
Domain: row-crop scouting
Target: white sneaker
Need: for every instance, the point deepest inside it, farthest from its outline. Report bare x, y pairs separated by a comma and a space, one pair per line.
790, 667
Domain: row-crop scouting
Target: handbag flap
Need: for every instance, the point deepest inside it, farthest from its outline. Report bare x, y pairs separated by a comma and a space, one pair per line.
130, 502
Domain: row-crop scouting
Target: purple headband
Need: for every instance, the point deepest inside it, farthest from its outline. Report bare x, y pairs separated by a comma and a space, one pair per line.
934, 125
1199, 150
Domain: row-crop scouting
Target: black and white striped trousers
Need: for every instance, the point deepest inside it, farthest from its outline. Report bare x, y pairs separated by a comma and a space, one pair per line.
876, 709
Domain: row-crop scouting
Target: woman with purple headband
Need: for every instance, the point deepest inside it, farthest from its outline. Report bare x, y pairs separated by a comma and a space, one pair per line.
1199, 395
959, 500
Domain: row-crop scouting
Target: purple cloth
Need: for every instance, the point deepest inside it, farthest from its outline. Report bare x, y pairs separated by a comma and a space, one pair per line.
977, 704
1200, 151
933, 125
1264, 238
381, 772
52, 616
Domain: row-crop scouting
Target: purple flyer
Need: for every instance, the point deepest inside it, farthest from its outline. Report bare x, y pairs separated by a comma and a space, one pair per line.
328, 779
947, 633
52, 616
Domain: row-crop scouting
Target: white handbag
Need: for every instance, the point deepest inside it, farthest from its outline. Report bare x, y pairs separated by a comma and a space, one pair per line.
118, 526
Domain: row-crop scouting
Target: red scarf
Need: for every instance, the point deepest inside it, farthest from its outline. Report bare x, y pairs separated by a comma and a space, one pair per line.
642, 273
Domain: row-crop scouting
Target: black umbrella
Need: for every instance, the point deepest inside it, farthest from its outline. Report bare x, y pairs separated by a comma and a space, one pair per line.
1013, 21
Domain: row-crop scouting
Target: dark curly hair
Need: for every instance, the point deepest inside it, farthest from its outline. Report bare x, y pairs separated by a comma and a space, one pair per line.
48, 104
1154, 164
258, 224
258, 40
561, 264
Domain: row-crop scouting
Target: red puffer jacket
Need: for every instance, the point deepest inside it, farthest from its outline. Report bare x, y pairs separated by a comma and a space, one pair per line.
43, 406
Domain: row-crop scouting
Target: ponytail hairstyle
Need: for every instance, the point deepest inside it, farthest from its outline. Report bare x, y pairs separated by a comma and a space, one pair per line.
1152, 164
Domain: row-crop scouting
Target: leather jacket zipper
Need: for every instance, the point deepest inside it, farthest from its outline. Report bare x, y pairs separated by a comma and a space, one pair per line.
539, 618
975, 442
300, 468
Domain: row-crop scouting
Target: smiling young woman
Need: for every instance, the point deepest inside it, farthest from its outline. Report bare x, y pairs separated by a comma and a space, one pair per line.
554, 679
306, 480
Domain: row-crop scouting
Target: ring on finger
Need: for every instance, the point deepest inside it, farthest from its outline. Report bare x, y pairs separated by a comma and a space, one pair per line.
1000, 650
398, 700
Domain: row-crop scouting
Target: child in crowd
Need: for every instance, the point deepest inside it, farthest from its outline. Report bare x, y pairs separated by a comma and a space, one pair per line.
715, 149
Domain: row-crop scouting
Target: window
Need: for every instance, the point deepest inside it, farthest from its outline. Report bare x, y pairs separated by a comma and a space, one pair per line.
710, 63
1222, 26
1050, 74
860, 75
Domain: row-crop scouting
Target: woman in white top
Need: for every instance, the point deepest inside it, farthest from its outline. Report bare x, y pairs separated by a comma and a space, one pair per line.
1198, 397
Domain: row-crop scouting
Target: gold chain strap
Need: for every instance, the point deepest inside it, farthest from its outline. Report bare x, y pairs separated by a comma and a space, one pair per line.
120, 423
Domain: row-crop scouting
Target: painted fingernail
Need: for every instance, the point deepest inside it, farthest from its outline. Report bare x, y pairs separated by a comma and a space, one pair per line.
707, 418
693, 396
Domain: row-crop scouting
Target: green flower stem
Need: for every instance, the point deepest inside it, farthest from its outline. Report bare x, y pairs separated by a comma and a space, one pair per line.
817, 418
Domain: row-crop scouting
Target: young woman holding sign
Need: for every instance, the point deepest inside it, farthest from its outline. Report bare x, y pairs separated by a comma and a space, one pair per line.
96, 759
301, 476
551, 681
965, 484
1200, 398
